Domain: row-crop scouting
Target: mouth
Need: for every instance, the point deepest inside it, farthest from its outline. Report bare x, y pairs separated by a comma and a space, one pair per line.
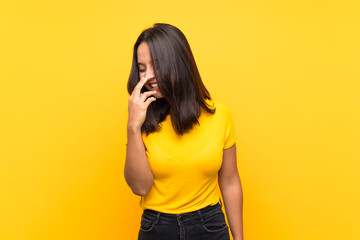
154, 86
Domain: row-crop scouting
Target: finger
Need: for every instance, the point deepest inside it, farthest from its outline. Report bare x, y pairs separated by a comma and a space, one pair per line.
139, 85
145, 95
149, 100
137, 89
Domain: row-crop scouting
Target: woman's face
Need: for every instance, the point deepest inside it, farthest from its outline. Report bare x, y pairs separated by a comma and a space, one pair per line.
146, 69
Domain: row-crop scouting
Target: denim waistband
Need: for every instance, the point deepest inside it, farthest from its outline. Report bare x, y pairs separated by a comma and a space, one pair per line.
189, 216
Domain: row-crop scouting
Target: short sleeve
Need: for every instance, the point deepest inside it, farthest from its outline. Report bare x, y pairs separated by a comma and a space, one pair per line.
230, 136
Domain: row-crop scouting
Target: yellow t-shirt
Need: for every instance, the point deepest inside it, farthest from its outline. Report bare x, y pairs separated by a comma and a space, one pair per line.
185, 168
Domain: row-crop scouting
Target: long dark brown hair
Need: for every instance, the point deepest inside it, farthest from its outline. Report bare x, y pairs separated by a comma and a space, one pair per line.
177, 77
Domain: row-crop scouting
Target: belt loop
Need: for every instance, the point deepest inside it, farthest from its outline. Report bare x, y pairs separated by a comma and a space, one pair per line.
157, 218
220, 202
201, 217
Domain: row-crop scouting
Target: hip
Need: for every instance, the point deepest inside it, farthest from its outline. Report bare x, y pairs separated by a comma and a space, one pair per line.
207, 223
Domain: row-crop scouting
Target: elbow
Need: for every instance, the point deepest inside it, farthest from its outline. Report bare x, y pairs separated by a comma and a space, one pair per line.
139, 187
230, 183
141, 191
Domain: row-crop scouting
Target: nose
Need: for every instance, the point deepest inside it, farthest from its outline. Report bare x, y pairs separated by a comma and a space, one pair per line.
150, 73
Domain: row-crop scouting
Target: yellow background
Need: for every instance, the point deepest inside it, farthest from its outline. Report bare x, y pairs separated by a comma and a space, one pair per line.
288, 71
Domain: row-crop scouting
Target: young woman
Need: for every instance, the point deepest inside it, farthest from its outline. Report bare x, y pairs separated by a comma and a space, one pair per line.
180, 144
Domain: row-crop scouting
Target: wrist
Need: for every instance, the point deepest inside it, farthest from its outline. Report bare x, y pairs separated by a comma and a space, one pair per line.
239, 238
133, 129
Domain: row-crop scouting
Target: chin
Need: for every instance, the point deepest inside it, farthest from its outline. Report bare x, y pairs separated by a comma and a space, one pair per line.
158, 95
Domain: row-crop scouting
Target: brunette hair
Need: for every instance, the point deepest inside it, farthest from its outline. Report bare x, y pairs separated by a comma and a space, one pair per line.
177, 77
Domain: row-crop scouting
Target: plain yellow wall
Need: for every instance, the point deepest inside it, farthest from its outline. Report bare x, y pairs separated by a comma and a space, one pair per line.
288, 70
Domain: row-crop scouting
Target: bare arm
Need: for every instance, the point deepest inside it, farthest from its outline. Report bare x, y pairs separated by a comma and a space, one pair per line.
137, 172
231, 191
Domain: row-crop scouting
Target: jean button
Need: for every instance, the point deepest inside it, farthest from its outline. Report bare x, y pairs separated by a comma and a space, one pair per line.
180, 218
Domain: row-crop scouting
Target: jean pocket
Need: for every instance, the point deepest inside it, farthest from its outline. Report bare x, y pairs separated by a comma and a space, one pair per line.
147, 222
215, 222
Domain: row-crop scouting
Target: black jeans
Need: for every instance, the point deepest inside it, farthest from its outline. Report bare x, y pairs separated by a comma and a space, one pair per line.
205, 224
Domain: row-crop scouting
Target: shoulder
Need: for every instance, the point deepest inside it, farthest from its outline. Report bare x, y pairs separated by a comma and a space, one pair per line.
224, 124
221, 116
220, 108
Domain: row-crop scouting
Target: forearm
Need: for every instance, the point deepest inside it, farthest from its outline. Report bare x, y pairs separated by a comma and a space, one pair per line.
137, 171
233, 201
